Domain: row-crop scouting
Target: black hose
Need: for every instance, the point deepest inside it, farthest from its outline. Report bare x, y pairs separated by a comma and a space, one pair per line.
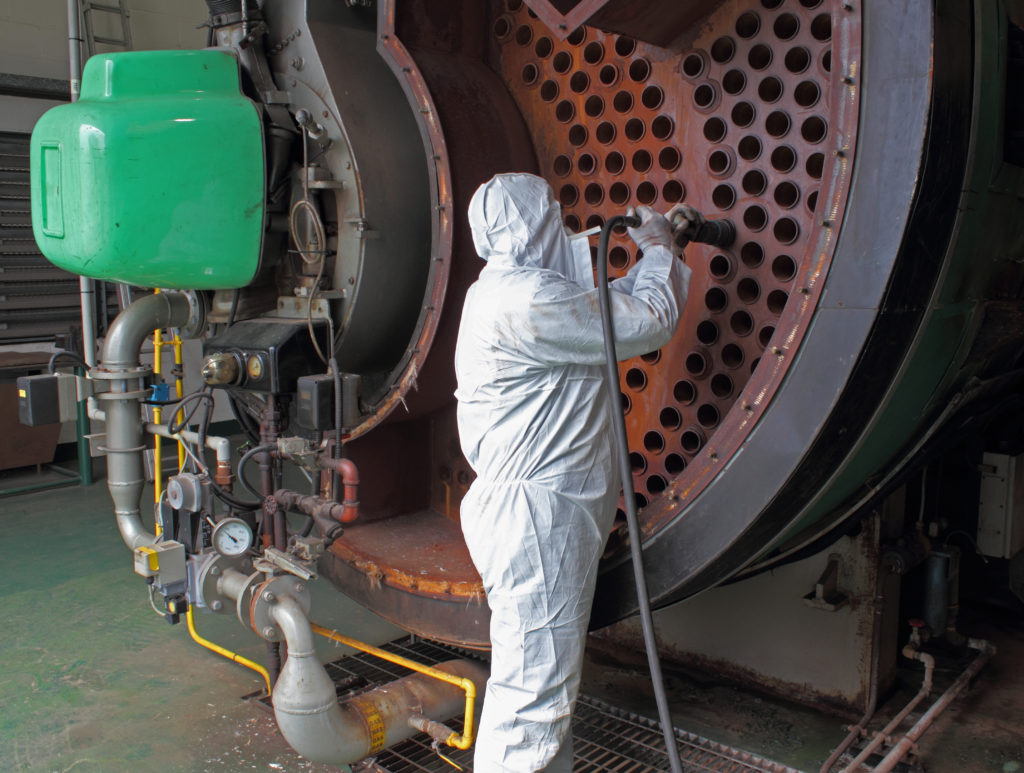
245, 421
241, 467
51, 367
635, 539
174, 425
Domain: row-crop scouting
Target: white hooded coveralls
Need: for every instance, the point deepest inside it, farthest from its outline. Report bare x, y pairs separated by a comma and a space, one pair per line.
535, 424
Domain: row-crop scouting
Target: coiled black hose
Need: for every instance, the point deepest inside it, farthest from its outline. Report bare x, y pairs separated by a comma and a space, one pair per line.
635, 539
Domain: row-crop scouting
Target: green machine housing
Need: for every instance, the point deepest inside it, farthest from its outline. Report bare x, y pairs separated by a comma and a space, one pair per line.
155, 177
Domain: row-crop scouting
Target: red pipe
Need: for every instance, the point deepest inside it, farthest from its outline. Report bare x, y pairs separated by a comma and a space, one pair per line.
346, 468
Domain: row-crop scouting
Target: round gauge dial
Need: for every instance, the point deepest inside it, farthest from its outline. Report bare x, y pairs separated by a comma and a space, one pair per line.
255, 366
232, 537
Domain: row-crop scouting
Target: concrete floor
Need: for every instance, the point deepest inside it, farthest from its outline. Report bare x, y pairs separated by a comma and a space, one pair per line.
92, 681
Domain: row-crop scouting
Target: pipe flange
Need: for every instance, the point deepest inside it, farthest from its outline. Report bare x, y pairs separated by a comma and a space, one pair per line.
266, 595
139, 394
196, 324
120, 374
209, 591
245, 597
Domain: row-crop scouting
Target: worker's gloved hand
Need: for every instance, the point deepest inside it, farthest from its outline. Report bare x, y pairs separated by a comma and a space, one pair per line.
685, 221
654, 229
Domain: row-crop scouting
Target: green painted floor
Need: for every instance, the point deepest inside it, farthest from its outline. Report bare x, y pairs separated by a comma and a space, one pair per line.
92, 681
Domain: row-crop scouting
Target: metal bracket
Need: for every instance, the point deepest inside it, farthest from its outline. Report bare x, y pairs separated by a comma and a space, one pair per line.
277, 559
826, 595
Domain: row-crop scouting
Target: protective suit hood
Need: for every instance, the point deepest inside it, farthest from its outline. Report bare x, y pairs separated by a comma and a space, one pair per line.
517, 222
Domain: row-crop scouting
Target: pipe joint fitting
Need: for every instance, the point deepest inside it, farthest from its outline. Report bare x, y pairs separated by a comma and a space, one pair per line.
283, 591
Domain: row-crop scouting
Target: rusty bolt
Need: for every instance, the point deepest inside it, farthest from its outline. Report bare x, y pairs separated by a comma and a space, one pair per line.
270, 506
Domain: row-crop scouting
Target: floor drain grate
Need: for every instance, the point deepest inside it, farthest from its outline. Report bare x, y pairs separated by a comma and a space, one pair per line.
605, 738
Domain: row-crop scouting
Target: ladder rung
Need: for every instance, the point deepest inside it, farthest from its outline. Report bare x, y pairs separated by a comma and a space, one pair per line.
102, 7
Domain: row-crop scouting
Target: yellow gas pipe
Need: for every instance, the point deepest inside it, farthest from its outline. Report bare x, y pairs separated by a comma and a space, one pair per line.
158, 344
232, 656
463, 741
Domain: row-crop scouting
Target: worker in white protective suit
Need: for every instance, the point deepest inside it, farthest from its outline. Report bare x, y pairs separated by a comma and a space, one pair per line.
535, 424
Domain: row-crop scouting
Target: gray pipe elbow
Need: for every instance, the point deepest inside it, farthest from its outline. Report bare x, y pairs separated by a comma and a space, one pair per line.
134, 324
305, 703
125, 474
320, 729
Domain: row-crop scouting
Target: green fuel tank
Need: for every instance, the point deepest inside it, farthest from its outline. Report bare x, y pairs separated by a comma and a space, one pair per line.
155, 177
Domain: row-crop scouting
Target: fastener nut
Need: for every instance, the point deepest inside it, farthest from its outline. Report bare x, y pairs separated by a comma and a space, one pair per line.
269, 632
217, 606
268, 596
299, 587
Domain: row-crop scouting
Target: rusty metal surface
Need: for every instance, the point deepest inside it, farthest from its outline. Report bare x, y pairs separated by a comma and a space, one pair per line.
752, 123
660, 22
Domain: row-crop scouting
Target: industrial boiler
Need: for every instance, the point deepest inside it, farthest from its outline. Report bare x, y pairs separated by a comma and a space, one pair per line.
297, 192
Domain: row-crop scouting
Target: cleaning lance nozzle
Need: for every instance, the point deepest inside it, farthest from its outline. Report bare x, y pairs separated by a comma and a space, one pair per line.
718, 233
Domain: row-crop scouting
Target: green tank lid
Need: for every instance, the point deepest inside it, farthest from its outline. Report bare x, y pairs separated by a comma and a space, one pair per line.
155, 177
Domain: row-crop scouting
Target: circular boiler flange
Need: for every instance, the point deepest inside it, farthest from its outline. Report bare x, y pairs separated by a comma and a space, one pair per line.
373, 183
754, 122
742, 424
743, 428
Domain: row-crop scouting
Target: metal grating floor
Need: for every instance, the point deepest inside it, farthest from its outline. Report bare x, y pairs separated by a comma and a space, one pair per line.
605, 738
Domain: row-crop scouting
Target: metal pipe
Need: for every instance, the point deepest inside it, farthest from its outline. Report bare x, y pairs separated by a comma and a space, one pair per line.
223, 651
221, 446
119, 366
470, 687
318, 507
322, 730
985, 652
86, 286
885, 570
136, 323
911, 653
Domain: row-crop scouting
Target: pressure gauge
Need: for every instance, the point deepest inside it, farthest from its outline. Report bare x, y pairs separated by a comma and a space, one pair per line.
254, 366
232, 537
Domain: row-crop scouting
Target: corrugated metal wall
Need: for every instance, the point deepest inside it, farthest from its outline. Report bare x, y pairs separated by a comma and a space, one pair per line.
38, 301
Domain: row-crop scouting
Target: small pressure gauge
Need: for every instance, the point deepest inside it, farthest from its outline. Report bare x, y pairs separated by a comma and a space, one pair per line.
232, 537
254, 365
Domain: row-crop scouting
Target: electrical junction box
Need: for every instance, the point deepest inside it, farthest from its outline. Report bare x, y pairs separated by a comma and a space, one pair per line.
1001, 506
314, 402
164, 562
155, 176
46, 399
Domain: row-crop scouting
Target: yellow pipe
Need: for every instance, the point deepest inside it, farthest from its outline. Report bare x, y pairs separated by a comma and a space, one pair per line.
158, 458
190, 619
463, 741
179, 390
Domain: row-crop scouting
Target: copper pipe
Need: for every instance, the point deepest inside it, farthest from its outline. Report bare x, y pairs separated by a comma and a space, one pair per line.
912, 653
318, 507
346, 468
